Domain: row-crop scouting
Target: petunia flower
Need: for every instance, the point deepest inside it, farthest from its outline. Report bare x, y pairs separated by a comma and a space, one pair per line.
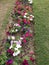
27, 34
10, 51
17, 25
31, 52
13, 37
25, 21
32, 59
24, 40
31, 17
30, 1
19, 12
16, 53
18, 3
25, 62
28, 22
16, 30
19, 21
7, 33
9, 62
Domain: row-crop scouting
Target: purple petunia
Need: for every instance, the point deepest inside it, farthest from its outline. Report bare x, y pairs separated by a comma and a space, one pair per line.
9, 62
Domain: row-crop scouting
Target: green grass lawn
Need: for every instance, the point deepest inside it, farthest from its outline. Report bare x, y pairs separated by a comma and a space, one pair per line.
41, 13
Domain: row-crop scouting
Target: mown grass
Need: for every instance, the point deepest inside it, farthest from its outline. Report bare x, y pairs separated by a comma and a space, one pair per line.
41, 13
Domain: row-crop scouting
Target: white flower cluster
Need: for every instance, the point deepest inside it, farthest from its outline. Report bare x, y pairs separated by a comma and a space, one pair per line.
30, 17
17, 25
17, 46
30, 1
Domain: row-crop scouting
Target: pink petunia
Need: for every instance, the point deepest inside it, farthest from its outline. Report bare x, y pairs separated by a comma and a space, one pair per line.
24, 40
17, 2
23, 13
27, 34
25, 21
19, 12
31, 52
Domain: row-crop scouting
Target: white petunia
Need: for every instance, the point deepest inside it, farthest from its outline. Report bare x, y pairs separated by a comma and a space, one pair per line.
24, 16
16, 53
17, 42
32, 16
26, 13
17, 25
11, 45
31, 19
21, 38
18, 46
12, 30
13, 37
15, 49
30, 1
9, 37
16, 30
28, 17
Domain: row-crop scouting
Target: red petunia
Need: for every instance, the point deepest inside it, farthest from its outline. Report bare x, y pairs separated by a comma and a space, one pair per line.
7, 33
32, 59
10, 51
25, 62
25, 21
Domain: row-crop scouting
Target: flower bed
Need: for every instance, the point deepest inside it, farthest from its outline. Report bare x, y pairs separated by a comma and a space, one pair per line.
19, 42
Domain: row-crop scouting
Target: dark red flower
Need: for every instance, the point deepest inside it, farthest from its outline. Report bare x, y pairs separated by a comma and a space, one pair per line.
7, 33
10, 51
32, 59
25, 62
9, 62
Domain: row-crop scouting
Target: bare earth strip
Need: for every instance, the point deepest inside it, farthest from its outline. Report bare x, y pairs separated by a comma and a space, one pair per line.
4, 7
